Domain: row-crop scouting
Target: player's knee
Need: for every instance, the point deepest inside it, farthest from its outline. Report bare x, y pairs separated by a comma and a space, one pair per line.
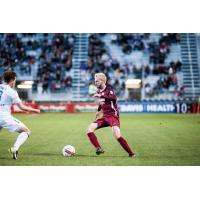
116, 132
90, 128
27, 130
116, 135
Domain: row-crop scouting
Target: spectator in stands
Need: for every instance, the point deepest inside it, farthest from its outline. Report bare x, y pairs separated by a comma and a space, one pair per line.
170, 71
137, 70
146, 71
174, 80
113, 38
45, 86
178, 66
179, 91
83, 66
148, 90
68, 82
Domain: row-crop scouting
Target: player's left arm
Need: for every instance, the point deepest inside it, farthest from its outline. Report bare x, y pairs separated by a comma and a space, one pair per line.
26, 108
16, 100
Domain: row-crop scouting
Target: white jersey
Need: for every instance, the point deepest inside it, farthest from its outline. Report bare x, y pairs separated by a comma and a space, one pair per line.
8, 96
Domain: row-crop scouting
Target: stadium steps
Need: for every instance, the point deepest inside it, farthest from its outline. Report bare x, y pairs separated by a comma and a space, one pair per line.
190, 67
79, 88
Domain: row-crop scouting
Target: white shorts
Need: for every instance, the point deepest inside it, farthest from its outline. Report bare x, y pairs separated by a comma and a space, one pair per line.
11, 123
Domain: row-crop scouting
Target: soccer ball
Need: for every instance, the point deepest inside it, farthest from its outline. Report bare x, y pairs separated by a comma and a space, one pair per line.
68, 151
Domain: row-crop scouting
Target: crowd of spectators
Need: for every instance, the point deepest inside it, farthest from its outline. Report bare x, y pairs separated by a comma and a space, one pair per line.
167, 74
130, 41
52, 53
55, 63
100, 60
172, 68
13, 53
159, 50
139, 41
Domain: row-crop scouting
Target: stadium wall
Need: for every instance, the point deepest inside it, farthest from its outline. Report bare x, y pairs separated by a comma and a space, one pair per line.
125, 107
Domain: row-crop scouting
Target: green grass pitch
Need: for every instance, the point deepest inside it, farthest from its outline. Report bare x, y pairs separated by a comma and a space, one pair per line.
158, 140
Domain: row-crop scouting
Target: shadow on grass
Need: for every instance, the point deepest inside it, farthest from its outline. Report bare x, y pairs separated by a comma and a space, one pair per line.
100, 156
77, 155
3, 158
44, 154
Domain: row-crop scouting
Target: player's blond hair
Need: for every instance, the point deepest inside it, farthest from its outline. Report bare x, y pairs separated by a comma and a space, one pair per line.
102, 76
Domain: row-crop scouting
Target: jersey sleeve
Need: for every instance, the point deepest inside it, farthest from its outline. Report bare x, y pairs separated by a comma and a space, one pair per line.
15, 98
109, 95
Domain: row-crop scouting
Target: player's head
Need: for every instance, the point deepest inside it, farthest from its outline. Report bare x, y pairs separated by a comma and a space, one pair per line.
100, 80
9, 77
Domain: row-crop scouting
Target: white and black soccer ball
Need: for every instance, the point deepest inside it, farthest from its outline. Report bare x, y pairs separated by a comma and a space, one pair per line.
68, 151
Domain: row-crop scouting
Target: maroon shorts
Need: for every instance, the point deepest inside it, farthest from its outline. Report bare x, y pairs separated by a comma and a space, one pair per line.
106, 121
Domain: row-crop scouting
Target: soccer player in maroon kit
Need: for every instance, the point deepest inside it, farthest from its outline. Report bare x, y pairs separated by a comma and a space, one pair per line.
107, 104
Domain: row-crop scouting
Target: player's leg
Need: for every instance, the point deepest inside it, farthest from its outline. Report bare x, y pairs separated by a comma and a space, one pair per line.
24, 133
121, 140
92, 137
17, 126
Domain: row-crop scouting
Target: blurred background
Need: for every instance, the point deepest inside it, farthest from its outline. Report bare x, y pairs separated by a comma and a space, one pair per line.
55, 67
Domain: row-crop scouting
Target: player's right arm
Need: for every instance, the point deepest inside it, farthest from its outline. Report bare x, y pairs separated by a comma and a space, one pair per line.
26, 108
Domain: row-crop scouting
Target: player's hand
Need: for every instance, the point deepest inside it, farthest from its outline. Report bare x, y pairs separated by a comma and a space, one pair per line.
97, 95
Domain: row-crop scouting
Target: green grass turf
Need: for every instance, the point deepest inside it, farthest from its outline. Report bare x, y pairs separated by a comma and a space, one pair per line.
158, 140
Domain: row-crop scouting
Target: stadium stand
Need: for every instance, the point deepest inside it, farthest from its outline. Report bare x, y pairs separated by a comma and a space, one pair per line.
62, 66
44, 58
154, 58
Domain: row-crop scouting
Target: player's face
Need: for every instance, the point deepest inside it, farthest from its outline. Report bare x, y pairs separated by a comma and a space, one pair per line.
98, 83
13, 83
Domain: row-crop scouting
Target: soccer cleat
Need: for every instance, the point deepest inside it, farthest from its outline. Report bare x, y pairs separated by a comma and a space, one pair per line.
99, 151
132, 155
14, 153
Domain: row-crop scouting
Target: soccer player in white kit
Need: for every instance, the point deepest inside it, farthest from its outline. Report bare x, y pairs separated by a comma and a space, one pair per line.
9, 96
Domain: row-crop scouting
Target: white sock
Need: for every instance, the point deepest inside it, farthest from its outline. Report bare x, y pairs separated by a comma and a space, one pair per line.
22, 137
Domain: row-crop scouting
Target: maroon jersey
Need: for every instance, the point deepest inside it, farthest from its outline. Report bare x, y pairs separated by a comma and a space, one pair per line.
108, 102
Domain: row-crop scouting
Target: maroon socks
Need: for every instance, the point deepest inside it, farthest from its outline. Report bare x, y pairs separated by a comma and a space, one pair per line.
121, 140
125, 145
93, 140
